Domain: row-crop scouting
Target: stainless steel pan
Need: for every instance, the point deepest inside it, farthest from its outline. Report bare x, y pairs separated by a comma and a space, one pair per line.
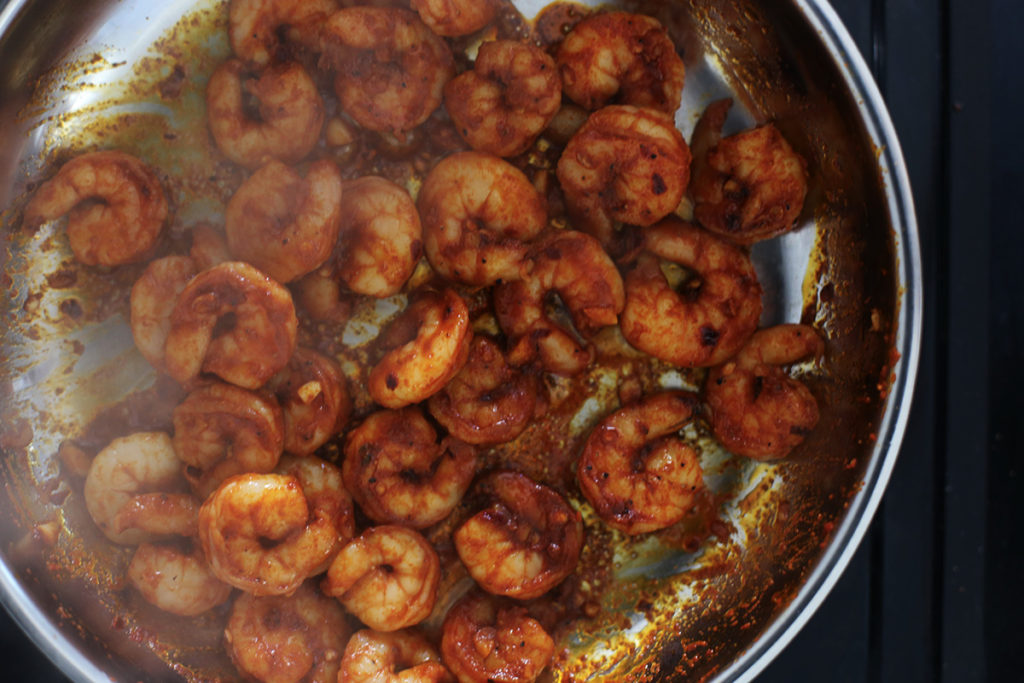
80, 74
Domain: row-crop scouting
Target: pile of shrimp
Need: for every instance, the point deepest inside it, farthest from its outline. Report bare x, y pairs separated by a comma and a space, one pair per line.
323, 509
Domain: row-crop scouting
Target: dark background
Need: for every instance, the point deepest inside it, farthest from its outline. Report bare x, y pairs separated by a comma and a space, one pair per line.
934, 592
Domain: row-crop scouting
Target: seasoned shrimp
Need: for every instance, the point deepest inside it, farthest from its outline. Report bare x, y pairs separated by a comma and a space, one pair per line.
400, 473
635, 470
387, 577
706, 320
261, 532
134, 490
176, 580
748, 187
221, 430
524, 541
755, 408
624, 165
456, 17
621, 58
573, 266
390, 68
152, 301
287, 639
332, 515
487, 640
381, 238
402, 657
232, 321
290, 113
282, 223
478, 212
488, 401
429, 343
115, 205
254, 25
313, 396
510, 96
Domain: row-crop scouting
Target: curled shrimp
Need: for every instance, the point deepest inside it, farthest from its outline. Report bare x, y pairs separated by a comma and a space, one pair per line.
636, 471
456, 17
754, 407
401, 473
312, 393
573, 266
429, 343
254, 25
485, 639
115, 205
263, 534
624, 165
291, 113
221, 430
134, 490
487, 401
747, 187
510, 96
709, 317
390, 68
332, 515
282, 223
478, 211
233, 321
387, 577
152, 302
621, 58
287, 639
400, 657
176, 580
524, 541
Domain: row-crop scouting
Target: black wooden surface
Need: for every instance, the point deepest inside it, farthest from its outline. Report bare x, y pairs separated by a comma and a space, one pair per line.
934, 592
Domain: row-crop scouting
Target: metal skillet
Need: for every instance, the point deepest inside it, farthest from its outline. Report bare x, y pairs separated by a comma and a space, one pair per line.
81, 73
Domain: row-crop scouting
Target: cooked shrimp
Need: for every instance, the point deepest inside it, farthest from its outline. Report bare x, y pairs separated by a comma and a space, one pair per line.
488, 401
381, 238
478, 212
624, 165
152, 301
332, 515
710, 317
748, 187
621, 58
209, 246
401, 473
115, 205
232, 321
176, 580
755, 408
573, 266
390, 68
282, 223
287, 639
291, 113
134, 490
254, 25
488, 640
456, 17
429, 343
221, 430
510, 96
387, 577
524, 541
260, 533
403, 657
313, 395
635, 470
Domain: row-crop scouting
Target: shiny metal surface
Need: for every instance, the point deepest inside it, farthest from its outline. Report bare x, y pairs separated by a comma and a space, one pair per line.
68, 66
